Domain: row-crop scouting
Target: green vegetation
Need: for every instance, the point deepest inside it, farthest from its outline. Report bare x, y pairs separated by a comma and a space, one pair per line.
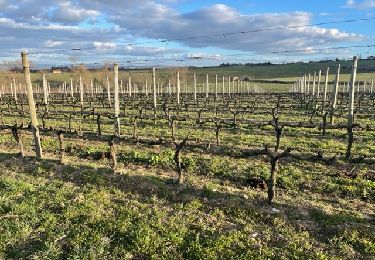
84, 209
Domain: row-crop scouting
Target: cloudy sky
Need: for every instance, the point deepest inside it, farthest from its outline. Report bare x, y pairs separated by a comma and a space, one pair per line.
163, 32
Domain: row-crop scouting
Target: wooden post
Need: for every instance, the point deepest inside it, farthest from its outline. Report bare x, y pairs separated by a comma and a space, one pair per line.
108, 92
117, 102
71, 88
364, 85
146, 89
308, 83
223, 86
325, 87
207, 86
11, 89
318, 86
334, 94
15, 89
45, 100
65, 89
178, 88
81, 91
154, 86
235, 88
351, 108
215, 87
351, 94
92, 88
229, 90
30, 98
313, 91
195, 88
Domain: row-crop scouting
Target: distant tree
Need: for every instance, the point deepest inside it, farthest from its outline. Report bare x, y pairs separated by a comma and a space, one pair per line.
12, 69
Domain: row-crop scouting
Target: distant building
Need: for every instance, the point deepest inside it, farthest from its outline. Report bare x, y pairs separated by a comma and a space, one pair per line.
244, 78
56, 71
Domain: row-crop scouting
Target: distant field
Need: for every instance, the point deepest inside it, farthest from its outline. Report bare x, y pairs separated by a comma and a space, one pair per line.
283, 72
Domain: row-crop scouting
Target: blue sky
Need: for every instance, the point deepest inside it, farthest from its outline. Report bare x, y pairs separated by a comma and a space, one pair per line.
130, 31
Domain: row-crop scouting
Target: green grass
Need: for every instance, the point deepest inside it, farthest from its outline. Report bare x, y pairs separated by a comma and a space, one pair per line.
83, 210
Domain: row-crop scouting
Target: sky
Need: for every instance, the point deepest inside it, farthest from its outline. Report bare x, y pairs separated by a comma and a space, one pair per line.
163, 32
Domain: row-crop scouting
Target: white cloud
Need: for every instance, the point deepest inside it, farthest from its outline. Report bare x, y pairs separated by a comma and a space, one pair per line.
365, 4
350, 2
50, 43
104, 45
132, 50
68, 13
203, 55
219, 19
37, 24
147, 51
